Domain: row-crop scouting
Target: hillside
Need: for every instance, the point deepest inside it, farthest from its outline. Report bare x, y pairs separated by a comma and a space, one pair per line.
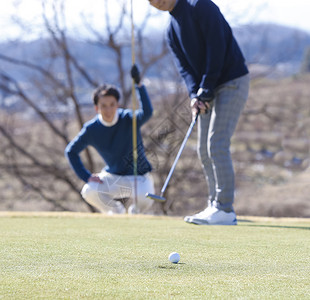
270, 151
262, 44
270, 148
287, 199
271, 44
275, 177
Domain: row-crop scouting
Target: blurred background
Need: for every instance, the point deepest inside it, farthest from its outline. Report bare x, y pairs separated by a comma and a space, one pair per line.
53, 53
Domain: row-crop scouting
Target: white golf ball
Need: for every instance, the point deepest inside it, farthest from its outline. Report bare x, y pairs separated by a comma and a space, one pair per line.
174, 257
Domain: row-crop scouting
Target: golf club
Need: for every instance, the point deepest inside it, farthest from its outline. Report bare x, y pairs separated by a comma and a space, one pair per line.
161, 198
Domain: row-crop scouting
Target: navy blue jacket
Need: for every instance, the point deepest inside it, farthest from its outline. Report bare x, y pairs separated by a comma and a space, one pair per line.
205, 49
114, 144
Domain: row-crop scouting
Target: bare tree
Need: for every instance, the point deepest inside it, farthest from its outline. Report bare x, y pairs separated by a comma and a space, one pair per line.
45, 99
50, 87
305, 66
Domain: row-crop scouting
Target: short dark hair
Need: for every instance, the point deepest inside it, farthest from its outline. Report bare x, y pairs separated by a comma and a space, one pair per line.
105, 90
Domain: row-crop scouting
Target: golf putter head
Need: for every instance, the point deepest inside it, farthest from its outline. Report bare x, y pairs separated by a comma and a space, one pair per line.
155, 197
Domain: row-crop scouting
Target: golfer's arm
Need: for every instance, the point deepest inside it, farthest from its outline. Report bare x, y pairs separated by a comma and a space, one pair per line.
72, 153
213, 31
184, 68
146, 109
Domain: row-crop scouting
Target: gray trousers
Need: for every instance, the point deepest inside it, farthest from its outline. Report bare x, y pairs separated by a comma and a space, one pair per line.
215, 130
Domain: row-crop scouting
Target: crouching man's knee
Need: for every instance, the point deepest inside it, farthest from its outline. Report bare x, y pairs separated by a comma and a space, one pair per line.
90, 192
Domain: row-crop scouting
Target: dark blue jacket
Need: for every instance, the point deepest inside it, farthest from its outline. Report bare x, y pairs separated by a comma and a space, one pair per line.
114, 144
206, 51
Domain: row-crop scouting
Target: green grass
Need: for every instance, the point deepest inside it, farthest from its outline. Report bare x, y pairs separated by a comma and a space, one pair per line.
76, 256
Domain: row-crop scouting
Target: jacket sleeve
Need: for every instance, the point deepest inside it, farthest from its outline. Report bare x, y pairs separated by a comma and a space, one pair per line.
183, 66
72, 151
145, 111
215, 32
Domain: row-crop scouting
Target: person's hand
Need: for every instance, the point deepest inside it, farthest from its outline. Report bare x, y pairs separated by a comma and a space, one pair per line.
199, 107
135, 74
95, 178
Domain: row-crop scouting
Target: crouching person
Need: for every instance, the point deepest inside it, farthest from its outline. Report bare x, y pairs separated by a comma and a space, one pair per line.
110, 133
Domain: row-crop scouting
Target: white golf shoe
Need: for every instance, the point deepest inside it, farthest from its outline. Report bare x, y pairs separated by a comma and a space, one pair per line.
212, 216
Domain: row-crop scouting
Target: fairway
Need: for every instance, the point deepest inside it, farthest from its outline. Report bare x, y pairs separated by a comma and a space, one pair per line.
93, 256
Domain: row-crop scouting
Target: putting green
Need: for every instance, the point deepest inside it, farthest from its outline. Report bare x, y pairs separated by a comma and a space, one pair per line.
94, 256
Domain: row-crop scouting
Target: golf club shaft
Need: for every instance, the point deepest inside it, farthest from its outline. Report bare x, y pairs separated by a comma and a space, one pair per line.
189, 131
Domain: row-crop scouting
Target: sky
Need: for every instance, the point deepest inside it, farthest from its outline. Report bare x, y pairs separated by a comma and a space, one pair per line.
237, 12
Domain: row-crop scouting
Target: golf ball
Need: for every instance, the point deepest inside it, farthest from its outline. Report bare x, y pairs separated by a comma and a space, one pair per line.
174, 257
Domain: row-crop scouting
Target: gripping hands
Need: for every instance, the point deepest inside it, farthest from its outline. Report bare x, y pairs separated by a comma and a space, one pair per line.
200, 104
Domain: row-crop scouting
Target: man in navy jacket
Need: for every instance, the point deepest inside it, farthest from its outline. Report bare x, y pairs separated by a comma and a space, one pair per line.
110, 133
214, 70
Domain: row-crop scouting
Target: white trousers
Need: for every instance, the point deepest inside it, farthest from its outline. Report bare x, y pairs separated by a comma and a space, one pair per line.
103, 195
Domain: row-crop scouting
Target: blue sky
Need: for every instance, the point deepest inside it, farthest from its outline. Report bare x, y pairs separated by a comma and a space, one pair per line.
290, 13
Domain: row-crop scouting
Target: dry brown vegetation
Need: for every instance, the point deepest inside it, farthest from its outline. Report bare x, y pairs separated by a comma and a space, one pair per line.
270, 151
46, 110
271, 154
276, 185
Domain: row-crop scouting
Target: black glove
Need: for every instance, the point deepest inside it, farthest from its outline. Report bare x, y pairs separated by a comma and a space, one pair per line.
135, 74
205, 95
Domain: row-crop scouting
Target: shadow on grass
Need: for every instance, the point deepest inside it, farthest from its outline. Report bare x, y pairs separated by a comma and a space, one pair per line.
244, 221
170, 267
280, 226
254, 224
271, 226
